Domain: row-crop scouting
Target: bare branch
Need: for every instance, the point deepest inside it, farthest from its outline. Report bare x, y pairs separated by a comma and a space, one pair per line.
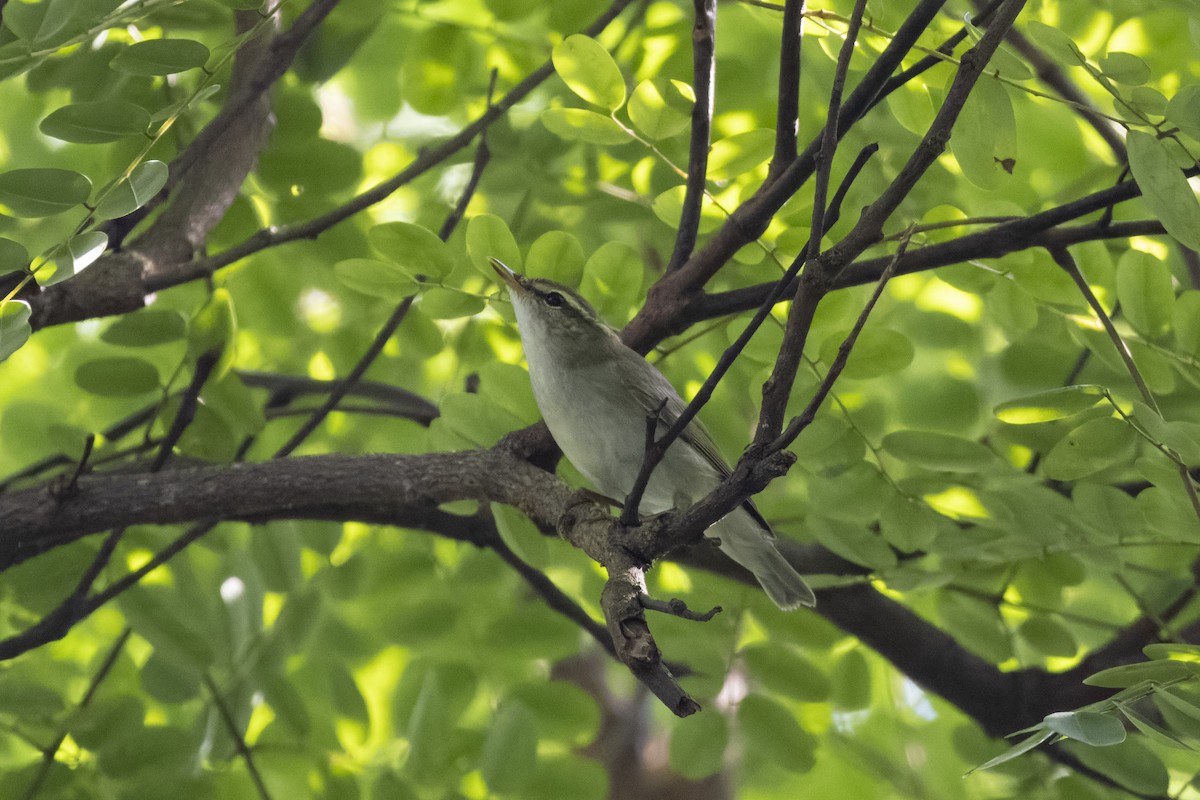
704, 70
839, 362
812, 286
235, 733
788, 105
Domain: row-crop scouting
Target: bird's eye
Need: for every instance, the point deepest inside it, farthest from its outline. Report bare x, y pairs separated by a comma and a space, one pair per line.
554, 300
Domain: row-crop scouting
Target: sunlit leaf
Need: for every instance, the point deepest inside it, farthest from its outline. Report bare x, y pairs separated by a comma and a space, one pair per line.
14, 327
579, 124
1164, 187
146, 180
589, 71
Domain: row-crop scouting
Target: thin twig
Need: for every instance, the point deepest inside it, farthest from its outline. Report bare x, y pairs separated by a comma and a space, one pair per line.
801, 422
188, 402
239, 741
554, 597
704, 71
51, 752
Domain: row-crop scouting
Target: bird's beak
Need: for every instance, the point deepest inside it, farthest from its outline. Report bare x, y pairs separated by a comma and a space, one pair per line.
514, 280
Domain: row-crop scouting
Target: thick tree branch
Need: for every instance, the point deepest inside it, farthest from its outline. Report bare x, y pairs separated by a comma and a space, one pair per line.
404, 490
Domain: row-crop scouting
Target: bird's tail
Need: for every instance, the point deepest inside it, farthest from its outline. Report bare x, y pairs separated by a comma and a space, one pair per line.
749, 545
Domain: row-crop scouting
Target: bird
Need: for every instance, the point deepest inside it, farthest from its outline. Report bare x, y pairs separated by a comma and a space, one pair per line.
595, 394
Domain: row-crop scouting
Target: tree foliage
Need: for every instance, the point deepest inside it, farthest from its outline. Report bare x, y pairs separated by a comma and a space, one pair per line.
276, 516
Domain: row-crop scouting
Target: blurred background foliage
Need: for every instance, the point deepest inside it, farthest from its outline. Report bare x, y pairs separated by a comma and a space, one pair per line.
361, 661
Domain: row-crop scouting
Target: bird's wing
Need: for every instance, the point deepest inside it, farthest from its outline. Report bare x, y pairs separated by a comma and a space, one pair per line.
695, 434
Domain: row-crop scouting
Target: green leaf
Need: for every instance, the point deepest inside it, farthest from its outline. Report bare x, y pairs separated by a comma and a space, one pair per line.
783, 671
589, 71
1003, 60
146, 181
1089, 727
414, 248
521, 535
977, 624
581, 125
1180, 713
938, 451
276, 550
23, 698
13, 256
488, 237
427, 728
737, 154
96, 122
668, 207
14, 327
1019, 749
1164, 187
77, 254
40, 23
1125, 68
214, 327
853, 542
1132, 674
851, 675
612, 280
1173, 650
1050, 405
117, 377
772, 733
160, 57
654, 116
168, 680
558, 256
510, 749
1131, 764
906, 524
1090, 448
42, 192
1186, 323
376, 278
1048, 636
565, 713
877, 352
146, 328
1183, 110
1145, 293
573, 776
1149, 729
439, 303
984, 139
698, 745
1057, 44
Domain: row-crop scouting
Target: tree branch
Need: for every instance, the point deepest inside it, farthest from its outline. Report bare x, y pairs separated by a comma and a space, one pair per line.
704, 31
787, 114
